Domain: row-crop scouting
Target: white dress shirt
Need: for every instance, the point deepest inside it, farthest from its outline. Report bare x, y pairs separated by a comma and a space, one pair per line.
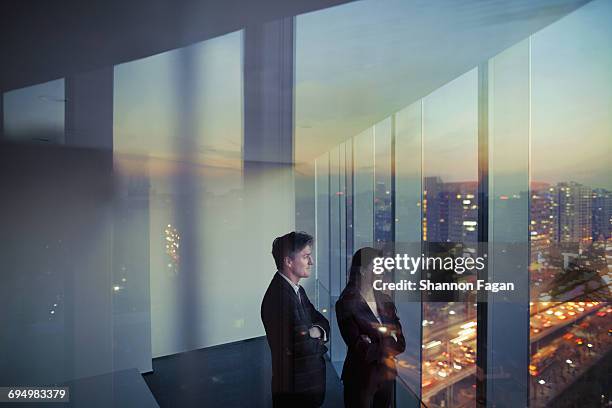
374, 309
296, 288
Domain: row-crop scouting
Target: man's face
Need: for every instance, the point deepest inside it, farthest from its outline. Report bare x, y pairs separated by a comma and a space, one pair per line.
301, 262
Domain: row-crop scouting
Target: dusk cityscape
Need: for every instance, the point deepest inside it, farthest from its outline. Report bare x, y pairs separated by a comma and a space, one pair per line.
207, 203
570, 273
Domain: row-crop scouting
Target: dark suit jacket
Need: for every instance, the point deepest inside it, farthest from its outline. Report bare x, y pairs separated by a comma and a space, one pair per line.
297, 359
368, 362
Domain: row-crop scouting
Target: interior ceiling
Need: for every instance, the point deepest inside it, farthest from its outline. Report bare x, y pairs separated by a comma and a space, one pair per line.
358, 63
45, 40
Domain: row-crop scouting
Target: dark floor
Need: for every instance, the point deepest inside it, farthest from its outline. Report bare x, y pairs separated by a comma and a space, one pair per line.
119, 389
230, 375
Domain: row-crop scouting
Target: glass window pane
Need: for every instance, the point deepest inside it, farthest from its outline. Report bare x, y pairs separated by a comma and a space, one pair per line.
350, 209
194, 95
177, 143
334, 220
338, 347
450, 162
508, 128
450, 210
408, 127
343, 227
570, 208
408, 142
382, 190
322, 216
363, 195
35, 114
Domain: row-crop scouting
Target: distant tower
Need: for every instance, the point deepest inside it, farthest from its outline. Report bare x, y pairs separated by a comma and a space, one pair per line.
435, 207
601, 214
462, 212
575, 215
544, 223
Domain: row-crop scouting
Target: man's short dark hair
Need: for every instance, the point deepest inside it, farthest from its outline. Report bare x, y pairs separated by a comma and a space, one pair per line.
288, 245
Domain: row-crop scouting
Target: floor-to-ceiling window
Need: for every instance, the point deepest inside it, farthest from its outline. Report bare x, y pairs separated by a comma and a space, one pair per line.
519, 139
571, 101
407, 194
449, 224
178, 151
507, 114
35, 114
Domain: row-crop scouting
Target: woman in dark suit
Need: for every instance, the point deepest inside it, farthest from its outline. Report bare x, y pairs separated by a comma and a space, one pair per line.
372, 332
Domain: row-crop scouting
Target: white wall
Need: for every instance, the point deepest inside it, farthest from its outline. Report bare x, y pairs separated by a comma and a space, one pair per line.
179, 134
212, 293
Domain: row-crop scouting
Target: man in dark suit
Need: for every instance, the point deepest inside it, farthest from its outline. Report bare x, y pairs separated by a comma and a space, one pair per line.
295, 330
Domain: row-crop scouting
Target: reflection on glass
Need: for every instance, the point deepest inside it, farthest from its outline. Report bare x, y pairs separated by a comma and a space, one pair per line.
323, 219
350, 208
177, 144
173, 240
363, 189
184, 103
358, 90
382, 181
324, 306
338, 244
334, 220
36, 113
547, 127
508, 212
342, 198
450, 213
408, 142
570, 208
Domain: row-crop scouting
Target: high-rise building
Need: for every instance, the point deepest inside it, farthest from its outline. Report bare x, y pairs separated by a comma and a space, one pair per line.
434, 210
450, 211
462, 211
382, 213
601, 214
543, 228
575, 218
